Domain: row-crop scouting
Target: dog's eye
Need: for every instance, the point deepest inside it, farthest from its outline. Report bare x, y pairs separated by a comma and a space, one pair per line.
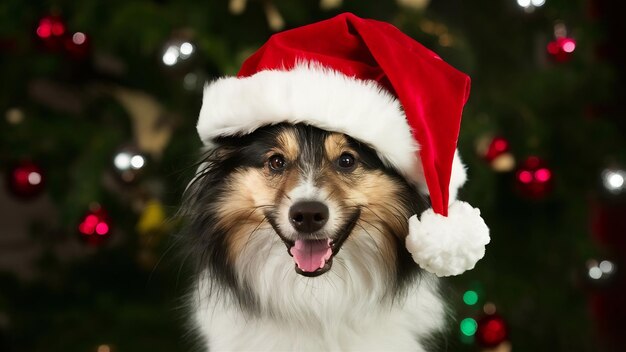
346, 162
277, 162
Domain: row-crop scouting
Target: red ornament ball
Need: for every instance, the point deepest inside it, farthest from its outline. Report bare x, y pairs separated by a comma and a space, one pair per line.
95, 226
26, 180
51, 31
496, 152
534, 180
496, 148
561, 49
492, 331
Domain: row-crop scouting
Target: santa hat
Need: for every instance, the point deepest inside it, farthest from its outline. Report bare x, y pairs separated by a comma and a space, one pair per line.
368, 80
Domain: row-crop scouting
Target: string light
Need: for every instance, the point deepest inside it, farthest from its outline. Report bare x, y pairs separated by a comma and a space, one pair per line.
530, 5
595, 272
563, 45
606, 266
177, 51
125, 161
470, 297
34, 178
95, 226
186, 49
534, 179
137, 162
50, 26
170, 56
468, 326
122, 161
613, 180
600, 271
129, 164
79, 38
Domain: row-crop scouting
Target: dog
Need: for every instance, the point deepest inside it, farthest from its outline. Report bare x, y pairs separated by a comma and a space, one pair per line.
297, 235
325, 208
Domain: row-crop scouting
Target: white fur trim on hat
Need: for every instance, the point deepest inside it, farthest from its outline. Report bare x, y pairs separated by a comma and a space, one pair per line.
312, 94
448, 245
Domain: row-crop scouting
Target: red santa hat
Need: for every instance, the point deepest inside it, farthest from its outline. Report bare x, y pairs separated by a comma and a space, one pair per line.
368, 80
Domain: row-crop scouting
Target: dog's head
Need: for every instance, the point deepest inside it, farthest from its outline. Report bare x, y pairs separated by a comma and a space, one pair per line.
295, 196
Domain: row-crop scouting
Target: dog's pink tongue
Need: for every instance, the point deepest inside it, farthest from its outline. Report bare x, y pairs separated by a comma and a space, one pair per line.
311, 255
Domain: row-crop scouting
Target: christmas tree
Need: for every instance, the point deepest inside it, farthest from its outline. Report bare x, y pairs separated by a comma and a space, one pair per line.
97, 126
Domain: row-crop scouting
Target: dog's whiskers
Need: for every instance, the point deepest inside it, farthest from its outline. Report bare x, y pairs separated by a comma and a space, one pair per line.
251, 234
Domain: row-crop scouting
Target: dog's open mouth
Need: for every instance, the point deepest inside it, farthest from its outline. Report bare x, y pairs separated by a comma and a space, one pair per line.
314, 257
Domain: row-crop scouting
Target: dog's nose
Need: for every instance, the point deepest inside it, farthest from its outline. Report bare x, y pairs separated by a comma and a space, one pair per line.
308, 216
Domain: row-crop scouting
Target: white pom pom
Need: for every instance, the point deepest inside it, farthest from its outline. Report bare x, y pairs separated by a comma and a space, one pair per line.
450, 245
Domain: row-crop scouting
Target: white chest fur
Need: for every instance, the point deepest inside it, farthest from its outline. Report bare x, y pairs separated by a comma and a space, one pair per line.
349, 308
392, 329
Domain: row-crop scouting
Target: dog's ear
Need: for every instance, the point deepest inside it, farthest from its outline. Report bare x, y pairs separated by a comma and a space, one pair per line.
206, 167
218, 153
223, 152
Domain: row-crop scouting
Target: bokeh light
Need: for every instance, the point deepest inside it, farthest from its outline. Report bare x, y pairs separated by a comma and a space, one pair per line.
613, 180
470, 297
468, 327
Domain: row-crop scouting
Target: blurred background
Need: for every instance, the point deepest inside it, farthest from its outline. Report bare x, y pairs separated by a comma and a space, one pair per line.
98, 105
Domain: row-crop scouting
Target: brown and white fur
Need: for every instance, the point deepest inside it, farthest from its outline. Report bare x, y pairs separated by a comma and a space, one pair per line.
250, 295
